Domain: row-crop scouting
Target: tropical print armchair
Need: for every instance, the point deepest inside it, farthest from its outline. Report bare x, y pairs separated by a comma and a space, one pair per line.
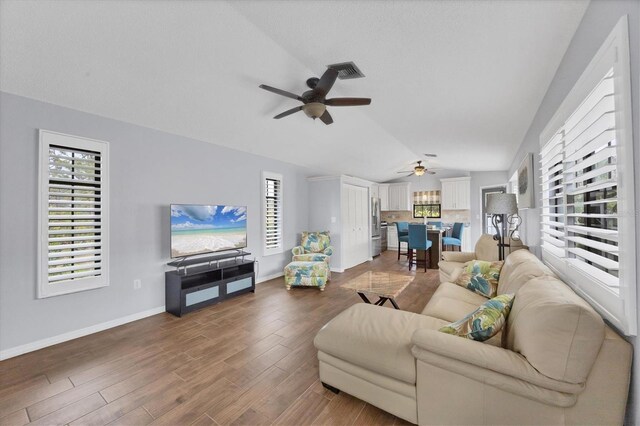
314, 247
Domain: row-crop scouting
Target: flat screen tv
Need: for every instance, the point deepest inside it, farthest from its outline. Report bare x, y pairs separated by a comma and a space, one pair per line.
199, 229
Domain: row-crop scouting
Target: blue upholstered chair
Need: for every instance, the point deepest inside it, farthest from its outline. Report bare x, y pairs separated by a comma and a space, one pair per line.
455, 239
403, 235
418, 241
437, 224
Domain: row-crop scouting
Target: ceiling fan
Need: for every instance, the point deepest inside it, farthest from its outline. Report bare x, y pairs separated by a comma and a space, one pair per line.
314, 100
418, 170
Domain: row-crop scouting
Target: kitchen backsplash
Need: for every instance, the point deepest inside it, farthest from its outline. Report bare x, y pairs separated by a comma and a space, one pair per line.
448, 216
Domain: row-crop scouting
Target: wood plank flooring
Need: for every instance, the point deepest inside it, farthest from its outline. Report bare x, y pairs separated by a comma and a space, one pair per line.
247, 361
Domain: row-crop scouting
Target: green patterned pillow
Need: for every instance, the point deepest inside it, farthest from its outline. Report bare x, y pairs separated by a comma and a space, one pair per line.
481, 277
483, 323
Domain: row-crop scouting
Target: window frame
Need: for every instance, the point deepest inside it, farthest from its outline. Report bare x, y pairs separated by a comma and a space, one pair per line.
268, 251
427, 205
619, 309
45, 288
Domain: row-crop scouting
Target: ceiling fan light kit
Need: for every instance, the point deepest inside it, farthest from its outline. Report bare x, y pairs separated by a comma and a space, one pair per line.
315, 100
314, 109
418, 170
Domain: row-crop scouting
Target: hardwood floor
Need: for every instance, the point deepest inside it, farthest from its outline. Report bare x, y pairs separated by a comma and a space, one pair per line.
249, 360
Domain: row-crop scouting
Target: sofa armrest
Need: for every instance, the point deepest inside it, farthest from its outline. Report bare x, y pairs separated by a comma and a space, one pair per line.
435, 347
458, 256
328, 251
297, 250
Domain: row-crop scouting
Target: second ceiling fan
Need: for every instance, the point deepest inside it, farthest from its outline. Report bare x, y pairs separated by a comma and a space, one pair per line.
314, 101
418, 170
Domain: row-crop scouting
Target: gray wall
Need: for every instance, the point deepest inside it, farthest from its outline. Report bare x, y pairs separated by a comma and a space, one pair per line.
149, 170
479, 180
597, 23
325, 203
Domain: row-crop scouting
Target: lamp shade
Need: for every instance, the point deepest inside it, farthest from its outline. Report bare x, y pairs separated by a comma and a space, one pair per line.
502, 204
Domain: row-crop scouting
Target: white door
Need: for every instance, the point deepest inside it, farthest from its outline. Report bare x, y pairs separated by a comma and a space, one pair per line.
355, 211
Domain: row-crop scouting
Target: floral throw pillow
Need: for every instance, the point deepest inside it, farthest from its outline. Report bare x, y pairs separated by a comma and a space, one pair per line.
481, 277
483, 323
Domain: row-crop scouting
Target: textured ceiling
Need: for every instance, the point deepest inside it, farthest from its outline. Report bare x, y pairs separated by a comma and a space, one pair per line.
462, 79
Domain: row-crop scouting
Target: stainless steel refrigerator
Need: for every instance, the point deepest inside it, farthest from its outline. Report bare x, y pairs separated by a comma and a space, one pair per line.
376, 244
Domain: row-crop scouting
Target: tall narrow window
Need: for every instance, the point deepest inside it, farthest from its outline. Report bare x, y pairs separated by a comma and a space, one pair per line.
73, 245
272, 208
588, 222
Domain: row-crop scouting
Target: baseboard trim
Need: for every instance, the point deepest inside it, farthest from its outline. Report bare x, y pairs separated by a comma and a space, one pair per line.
60, 338
269, 277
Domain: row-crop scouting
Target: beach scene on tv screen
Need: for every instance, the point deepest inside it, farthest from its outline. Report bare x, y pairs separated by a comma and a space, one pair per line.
197, 229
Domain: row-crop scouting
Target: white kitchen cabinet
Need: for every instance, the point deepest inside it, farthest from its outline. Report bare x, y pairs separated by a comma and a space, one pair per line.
456, 193
392, 237
383, 194
467, 244
400, 196
374, 190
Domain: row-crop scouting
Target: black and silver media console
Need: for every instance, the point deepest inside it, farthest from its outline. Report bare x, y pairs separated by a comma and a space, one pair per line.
196, 283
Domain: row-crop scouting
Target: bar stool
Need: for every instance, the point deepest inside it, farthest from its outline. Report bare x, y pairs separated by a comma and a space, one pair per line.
455, 239
403, 235
418, 241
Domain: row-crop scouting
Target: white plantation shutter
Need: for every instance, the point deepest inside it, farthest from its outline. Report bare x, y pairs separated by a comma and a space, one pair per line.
73, 215
272, 206
588, 220
591, 185
553, 204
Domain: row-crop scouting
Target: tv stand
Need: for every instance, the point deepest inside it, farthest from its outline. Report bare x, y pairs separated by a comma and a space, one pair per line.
216, 278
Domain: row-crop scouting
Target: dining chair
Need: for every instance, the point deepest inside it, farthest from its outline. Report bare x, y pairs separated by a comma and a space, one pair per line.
418, 241
403, 236
436, 224
455, 240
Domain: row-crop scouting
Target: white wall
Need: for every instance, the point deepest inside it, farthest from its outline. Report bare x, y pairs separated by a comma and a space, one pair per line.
149, 170
598, 21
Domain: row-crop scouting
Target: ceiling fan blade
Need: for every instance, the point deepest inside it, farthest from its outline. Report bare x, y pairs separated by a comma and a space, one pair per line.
281, 92
326, 117
411, 174
326, 82
430, 172
406, 171
347, 101
288, 112
431, 155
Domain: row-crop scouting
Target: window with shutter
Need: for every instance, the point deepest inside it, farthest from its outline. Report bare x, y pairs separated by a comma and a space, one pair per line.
588, 221
73, 245
272, 208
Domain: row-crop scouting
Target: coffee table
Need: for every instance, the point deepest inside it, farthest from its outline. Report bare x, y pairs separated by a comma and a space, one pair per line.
385, 285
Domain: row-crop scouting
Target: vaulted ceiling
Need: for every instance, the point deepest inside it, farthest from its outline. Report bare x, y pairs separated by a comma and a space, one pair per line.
462, 79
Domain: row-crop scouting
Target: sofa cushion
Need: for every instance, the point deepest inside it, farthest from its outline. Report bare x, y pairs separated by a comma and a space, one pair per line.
375, 338
448, 309
483, 323
481, 277
557, 331
520, 267
454, 291
449, 270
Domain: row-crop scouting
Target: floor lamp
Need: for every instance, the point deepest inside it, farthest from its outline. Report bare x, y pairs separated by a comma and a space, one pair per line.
502, 207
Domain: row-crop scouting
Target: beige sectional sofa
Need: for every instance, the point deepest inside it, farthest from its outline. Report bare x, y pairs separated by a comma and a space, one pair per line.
486, 249
555, 362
